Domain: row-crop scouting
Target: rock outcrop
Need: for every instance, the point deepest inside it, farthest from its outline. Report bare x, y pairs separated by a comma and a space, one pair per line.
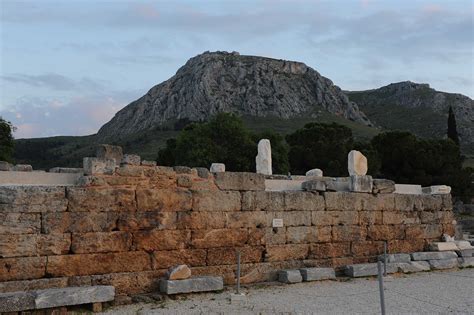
216, 82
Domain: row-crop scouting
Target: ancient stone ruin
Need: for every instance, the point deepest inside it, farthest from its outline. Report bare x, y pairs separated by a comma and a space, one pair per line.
124, 222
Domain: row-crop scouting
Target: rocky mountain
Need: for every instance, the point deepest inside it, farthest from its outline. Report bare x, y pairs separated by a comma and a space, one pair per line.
229, 82
418, 108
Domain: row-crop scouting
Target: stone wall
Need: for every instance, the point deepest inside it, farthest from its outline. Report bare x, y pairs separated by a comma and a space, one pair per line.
126, 229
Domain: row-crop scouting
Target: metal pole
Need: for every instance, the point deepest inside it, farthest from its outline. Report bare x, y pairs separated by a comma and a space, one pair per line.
385, 258
382, 297
238, 272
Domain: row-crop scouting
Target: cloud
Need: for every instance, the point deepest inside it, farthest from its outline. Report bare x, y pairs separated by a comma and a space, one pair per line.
54, 81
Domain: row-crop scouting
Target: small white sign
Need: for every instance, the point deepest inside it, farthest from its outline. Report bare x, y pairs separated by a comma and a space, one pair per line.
277, 223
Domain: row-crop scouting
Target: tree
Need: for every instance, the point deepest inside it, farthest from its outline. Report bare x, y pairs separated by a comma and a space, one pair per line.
6, 140
319, 145
452, 129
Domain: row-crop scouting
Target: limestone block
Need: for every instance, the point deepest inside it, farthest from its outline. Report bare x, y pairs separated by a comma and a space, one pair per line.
202, 172
66, 170
197, 284
433, 255
17, 301
338, 184
20, 223
443, 246
383, 186
22, 268
131, 159
413, 266
168, 258
463, 245
315, 172
101, 242
148, 163
228, 255
150, 240
100, 199
308, 234
406, 189
286, 252
217, 168
365, 270
263, 160
263, 200
437, 190
219, 238
5, 166
396, 258
22, 168
443, 263
163, 200
290, 276
109, 152
329, 250
316, 274
465, 253
314, 185
240, 181
466, 262
50, 298
93, 166
216, 200
179, 272
356, 163
302, 201
361, 183
283, 185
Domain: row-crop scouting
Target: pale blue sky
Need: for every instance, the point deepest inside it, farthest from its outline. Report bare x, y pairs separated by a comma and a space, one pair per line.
68, 66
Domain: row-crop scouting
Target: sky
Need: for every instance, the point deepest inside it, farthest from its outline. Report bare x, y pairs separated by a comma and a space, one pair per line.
66, 67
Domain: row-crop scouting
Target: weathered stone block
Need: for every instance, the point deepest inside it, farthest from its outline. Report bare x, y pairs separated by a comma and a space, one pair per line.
406, 189
383, 186
343, 201
463, 245
91, 264
290, 276
465, 253
22, 168
303, 201
52, 198
147, 220
18, 245
365, 270
407, 246
17, 301
437, 190
109, 152
78, 222
443, 263
343, 233
263, 160
286, 252
100, 199
251, 219
267, 236
164, 200
216, 201
194, 220
329, 250
101, 242
152, 240
22, 268
50, 298
240, 181
308, 234
315, 172
20, 223
338, 184
443, 246
184, 181
97, 166
179, 272
217, 168
219, 238
35, 284
385, 232
66, 170
413, 266
228, 255
317, 274
314, 185
466, 262
5, 166
131, 159
168, 258
126, 170
391, 217
148, 163
396, 258
366, 248
203, 172
263, 200
362, 184
290, 218
433, 255
53, 244
197, 284
334, 218
370, 217
424, 231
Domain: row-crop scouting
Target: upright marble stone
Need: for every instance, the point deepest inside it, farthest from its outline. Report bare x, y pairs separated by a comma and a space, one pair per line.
356, 163
217, 168
264, 157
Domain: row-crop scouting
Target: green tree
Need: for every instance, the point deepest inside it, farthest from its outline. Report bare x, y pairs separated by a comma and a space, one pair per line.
319, 145
452, 129
6, 140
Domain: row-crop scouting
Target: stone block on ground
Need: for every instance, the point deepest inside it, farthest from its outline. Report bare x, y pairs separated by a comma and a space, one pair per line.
217, 168
466, 262
314, 185
290, 276
197, 284
437, 190
17, 301
356, 163
5, 166
131, 159
315, 274
365, 270
413, 266
383, 186
465, 253
407, 189
443, 246
315, 172
359, 183
463, 245
74, 296
22, 168
66, 170
263, 160
338, 184
433, 255
443, 263
179, 272
396, 258
94, 166
109, 152
240, 181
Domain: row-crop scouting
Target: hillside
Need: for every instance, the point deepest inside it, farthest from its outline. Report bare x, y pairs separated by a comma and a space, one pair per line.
418, 109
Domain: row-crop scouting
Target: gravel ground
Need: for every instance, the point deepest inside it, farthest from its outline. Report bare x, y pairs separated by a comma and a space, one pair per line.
450, 292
